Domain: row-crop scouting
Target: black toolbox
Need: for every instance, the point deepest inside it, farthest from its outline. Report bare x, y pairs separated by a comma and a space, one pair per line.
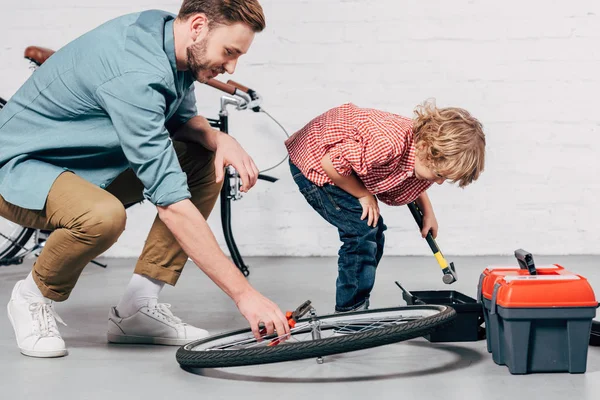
466, 327
595, 333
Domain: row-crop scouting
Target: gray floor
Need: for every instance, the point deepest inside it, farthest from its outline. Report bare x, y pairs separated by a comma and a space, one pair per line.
416, 369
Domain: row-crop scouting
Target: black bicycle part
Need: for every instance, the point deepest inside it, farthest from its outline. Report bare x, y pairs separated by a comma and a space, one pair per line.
289, 351
8, 256
253, 96
267, 178
223, 125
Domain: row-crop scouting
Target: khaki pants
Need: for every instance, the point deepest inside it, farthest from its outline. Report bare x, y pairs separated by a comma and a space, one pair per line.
87, 220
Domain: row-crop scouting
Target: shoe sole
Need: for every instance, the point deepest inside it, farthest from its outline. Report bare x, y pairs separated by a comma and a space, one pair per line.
44, 354
34, 353
130, 339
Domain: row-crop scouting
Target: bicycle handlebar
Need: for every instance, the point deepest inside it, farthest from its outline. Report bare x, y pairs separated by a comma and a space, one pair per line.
251, 99
222, 86
239, 86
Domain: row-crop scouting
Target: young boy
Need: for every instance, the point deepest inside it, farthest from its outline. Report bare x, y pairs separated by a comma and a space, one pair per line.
348, 158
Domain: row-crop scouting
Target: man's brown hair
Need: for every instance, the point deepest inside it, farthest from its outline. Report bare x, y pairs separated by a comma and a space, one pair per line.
226, 12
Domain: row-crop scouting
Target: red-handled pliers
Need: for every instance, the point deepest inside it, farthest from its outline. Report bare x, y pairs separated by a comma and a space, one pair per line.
292, 318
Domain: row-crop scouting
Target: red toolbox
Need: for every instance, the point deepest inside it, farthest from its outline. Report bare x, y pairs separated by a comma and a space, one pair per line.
539, 319
487, 280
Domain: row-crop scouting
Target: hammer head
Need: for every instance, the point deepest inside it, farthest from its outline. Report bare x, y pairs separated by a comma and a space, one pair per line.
450, 275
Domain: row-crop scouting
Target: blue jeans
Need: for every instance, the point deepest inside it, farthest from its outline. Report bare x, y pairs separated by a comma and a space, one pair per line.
362, 245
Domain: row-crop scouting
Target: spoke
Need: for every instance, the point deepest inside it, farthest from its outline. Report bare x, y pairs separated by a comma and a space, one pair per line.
8, 239
302, 331
16, 229
266, 339
363, 326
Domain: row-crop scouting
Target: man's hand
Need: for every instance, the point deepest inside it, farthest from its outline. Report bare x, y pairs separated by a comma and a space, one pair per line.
229, 152
258, 309
195, 237
370, 209
429, 223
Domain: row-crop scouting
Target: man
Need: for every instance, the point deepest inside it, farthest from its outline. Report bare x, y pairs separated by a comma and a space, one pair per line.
111, 119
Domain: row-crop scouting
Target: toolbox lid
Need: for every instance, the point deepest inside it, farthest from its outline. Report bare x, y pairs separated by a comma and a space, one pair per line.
547, 291
488, 281
491, 276
507, 267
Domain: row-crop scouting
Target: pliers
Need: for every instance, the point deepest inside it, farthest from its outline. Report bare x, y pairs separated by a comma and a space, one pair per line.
292, 318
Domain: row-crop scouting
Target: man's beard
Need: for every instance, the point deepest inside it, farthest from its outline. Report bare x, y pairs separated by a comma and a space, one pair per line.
197, 61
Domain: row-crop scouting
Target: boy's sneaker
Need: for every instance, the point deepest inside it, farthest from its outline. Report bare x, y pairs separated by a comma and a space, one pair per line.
154, 324
34, 323
350, 328
363, 307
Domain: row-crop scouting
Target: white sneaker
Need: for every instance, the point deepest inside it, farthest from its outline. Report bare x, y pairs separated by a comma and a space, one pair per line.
35, 327
152, 325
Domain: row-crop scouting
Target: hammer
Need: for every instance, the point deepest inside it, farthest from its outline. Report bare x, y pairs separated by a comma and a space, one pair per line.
448, 269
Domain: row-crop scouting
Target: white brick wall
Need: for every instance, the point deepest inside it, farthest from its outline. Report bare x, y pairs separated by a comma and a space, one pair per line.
527, 69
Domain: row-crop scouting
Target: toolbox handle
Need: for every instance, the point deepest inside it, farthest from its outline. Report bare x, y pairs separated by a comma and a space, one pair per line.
494, 297
525, 260
480, 289
414, 298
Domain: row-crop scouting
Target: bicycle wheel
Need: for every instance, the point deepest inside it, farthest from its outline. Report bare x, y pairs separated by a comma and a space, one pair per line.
317, 336
13, 238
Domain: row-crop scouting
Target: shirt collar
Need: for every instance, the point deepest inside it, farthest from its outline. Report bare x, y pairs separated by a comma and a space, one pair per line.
407, 162
169, 44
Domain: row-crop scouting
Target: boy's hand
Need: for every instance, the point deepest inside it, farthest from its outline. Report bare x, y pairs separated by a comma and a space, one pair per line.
370, 209
429, 223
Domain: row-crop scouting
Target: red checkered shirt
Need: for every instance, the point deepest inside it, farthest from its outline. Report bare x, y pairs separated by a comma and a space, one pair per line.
377, 146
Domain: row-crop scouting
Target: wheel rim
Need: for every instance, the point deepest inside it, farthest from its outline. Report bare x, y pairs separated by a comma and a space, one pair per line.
329, 326
10, 233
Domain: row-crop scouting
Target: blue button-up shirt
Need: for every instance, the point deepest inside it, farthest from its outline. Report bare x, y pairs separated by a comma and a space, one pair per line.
104, 103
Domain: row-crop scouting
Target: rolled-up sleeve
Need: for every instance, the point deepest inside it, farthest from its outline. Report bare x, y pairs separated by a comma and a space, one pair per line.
136, 106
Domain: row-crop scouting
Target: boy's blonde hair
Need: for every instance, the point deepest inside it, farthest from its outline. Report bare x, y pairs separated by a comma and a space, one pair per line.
450, 141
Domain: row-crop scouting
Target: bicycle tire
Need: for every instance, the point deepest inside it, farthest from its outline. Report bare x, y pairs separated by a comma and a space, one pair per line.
22, 237
189, 358
19, 241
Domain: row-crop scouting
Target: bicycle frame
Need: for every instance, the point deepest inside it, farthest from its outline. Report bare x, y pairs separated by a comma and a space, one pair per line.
241, 99
231, 185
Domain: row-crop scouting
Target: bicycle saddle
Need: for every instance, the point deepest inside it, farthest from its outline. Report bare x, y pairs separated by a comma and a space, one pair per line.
38, 54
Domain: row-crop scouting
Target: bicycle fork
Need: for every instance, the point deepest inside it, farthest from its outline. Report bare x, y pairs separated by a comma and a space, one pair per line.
227, 194
231, 189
